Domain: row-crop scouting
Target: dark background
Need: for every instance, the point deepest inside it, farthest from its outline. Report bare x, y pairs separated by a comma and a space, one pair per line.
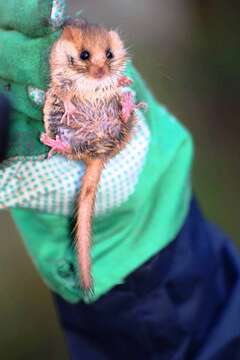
189, 54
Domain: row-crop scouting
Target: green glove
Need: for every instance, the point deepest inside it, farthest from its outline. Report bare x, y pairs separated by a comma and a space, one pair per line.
27, 179
144, 192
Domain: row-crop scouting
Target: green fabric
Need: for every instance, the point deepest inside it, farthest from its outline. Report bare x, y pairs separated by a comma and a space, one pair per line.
26, 121
24, 63
18, 95
47, 239
24, 136
31, 17
133, 232
15, 51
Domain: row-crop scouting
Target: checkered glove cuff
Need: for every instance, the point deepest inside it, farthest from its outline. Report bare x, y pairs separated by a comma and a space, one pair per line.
51, 185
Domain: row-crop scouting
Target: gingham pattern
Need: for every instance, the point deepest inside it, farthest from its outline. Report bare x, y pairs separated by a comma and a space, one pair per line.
58, 13
36, 95
57, 19
51, 185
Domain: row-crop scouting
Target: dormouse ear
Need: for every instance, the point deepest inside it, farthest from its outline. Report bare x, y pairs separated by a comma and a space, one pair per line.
116, 43
114, 36
72, 34
67, 33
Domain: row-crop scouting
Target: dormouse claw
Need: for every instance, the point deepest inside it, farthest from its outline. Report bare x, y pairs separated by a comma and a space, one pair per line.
141, 105
70, 113
57, 145
124, 81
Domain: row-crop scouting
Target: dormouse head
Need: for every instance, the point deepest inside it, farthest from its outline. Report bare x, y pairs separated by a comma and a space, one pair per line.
88, 55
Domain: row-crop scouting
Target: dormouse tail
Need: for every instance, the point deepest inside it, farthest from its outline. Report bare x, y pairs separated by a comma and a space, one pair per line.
85, 204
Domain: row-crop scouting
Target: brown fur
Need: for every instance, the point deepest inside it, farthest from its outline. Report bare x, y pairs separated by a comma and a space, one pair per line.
84, 219
98, 131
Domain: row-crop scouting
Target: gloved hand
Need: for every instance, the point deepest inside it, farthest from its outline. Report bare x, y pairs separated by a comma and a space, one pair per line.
46, 189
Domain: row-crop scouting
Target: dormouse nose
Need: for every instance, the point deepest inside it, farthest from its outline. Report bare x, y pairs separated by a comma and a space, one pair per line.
99, 72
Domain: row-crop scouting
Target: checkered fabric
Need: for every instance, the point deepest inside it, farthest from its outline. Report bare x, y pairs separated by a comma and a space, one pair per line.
57, 14
51, 185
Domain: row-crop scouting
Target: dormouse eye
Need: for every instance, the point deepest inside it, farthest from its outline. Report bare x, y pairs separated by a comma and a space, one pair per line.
109, 54
85, 55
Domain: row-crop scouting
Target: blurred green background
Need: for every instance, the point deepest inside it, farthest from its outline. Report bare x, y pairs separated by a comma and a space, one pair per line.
189, 53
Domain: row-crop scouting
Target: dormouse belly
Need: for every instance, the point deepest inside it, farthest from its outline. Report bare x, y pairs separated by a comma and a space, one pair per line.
99, 129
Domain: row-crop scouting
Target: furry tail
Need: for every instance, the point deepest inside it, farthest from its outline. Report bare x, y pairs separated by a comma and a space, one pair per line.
86, 202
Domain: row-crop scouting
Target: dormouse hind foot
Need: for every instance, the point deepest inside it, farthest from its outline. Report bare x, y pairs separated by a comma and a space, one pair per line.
69, 117
57, 145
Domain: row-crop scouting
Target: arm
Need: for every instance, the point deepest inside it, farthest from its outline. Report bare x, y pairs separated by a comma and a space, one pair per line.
41, 192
